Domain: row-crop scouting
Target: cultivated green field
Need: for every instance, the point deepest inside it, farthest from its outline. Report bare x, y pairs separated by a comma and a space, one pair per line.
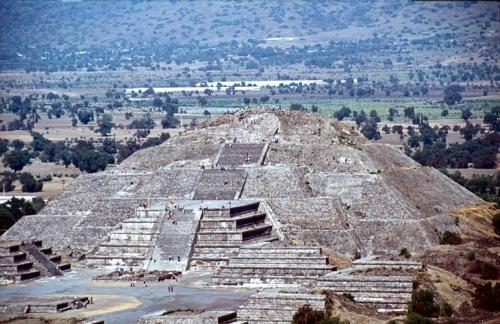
328, 107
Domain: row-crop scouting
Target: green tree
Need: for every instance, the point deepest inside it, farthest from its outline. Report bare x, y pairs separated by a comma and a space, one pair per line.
16, 159
4, 146
370, 131
85, 116
169, 121
342, 113
466, 114
29, 184
452, 95
157, 102
105, 124
92, 161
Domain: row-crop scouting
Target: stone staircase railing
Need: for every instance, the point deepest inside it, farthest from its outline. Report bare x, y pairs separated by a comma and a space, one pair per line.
41, 258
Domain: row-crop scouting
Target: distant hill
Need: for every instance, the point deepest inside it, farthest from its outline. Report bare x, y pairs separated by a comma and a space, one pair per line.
102, 23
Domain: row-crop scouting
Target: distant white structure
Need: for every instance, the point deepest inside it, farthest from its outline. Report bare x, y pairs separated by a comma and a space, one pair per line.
238, 85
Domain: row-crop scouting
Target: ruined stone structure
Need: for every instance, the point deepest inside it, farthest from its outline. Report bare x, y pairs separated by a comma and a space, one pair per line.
274, 265
223, 231
28, 260
320, 179
233, 193
385, 285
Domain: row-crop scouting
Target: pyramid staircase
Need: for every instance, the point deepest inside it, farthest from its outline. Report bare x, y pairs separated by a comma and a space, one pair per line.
29, 260
14, 264
44, 258
132, 244
223, 231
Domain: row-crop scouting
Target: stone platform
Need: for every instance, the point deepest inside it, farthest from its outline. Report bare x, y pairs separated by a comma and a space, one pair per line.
273, 266
223, 231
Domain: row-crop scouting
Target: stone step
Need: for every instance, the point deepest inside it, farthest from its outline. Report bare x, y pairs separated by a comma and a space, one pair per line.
360, 295
55, 258
352, 278
123, 243
46, 251
217, 244
287, 298
256, 231
138, 227
112, 250
272, 280
387, 264
13, 258
239, 221
383, 298
141, 220
16, 267
26, 275
64, 266
211, 256
280, 250
229, 236
258, 270
363, 285
267, 259
144, 238
216, 250
374, 289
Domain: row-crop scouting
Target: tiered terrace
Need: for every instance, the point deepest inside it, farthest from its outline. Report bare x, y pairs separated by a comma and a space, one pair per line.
131, 244
390, 292
278, 306
273, 265
29, 260
223, 231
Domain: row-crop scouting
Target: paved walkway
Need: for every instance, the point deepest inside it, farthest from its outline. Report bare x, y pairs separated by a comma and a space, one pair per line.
136, 301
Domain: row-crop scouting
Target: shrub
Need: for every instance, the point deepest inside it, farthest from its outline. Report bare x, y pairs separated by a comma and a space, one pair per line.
496, 223
422, 302
450, 238
414, 318
306, 315
446, 310
487, 270
487, 296
348, 296
404, 252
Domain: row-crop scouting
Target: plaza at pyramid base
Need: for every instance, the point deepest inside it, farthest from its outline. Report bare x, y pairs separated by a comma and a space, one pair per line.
274, 204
